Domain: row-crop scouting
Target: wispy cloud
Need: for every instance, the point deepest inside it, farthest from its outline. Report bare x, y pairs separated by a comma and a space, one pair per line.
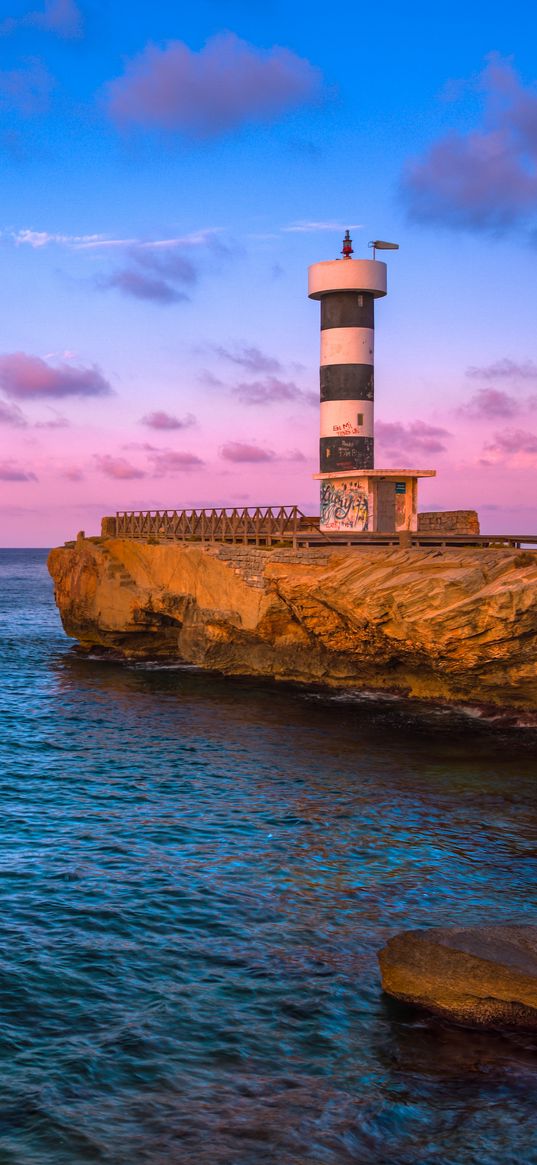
416, 437
241, 452
484, 179
10, 471
24, 377
62, 17
140, 285
209, 380
505, 369
226, 84
12, 415
165, 274
293, 455
117, 467
168, 462
245, 453
249, 357
39, 239
271, 390
26, 90
268, 389
73, 473
57, 422
511, 442
164, 462
304, 227
208, 236
163, 420
162, 270
489, 404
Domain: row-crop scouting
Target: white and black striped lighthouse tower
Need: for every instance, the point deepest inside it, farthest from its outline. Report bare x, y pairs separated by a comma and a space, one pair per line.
347, 289
356, 498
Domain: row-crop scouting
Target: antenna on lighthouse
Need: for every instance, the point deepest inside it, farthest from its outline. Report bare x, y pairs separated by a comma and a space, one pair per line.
380, 245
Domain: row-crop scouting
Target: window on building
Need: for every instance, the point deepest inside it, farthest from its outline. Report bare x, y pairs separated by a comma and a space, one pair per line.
360, 420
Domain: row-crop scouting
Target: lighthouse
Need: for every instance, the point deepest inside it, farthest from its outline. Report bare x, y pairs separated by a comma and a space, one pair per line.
354, 495
347, 289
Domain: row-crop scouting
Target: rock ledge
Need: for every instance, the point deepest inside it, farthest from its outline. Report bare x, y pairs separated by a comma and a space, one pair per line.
452, 624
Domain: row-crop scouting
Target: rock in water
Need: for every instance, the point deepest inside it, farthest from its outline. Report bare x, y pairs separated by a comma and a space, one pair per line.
480, 976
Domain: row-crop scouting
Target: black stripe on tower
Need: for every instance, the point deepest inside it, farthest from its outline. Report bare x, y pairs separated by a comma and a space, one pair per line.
347, 309
347, 382
346, 453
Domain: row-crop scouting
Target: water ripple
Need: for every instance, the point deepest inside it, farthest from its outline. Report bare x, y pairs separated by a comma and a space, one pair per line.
196, 874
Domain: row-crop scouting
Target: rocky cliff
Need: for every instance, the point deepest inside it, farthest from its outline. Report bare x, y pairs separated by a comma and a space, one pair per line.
452, 624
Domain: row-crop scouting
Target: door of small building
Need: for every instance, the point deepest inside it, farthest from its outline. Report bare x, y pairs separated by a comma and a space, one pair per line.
385, 523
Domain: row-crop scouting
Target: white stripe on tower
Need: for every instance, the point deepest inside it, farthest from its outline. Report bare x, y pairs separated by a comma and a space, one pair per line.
347, 418
347, 345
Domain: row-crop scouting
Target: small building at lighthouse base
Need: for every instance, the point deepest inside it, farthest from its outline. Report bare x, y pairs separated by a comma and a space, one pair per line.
381, 501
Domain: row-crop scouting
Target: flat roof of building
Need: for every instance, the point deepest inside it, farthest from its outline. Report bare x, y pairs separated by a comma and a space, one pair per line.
375, 473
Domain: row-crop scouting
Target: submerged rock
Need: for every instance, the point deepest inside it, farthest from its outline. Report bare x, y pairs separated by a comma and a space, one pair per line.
480, 976
452, 624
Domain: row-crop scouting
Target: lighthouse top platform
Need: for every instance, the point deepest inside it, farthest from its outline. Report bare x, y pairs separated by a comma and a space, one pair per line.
342, 473
366, 275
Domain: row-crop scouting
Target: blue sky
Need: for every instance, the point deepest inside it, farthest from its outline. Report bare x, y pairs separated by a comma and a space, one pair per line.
167, 177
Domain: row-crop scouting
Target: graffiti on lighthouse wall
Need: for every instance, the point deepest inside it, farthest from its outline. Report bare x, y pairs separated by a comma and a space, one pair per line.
344, 505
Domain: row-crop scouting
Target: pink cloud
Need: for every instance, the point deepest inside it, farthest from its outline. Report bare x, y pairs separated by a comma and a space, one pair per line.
61, 17
172, 461
250, 357
54, 423
73, 474
294, 455
505, 369
513, 441
273, 391
10, 471
24, 377
490, 403
416, 437
200, 94
117, 467
162, 420
485, 179
26, 90
144, 445
209, 379
12, 415
240, 452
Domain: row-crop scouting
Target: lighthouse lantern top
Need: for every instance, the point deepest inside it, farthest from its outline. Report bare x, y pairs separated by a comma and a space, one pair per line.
347, 250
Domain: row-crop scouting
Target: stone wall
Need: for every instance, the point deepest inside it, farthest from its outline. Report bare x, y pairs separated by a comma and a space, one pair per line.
449, 522
108, 527
250, 561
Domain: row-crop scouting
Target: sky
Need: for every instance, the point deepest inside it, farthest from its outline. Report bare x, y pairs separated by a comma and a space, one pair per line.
169, 172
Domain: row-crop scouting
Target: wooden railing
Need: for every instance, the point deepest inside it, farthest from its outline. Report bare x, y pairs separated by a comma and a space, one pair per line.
261, 525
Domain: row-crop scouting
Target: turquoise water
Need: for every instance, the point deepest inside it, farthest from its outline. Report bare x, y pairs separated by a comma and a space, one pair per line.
196, 874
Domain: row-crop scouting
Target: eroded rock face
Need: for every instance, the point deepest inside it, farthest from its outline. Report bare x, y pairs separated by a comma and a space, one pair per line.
482, 976
452, 624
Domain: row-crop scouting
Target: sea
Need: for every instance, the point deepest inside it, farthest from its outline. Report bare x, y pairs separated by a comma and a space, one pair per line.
197, 873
